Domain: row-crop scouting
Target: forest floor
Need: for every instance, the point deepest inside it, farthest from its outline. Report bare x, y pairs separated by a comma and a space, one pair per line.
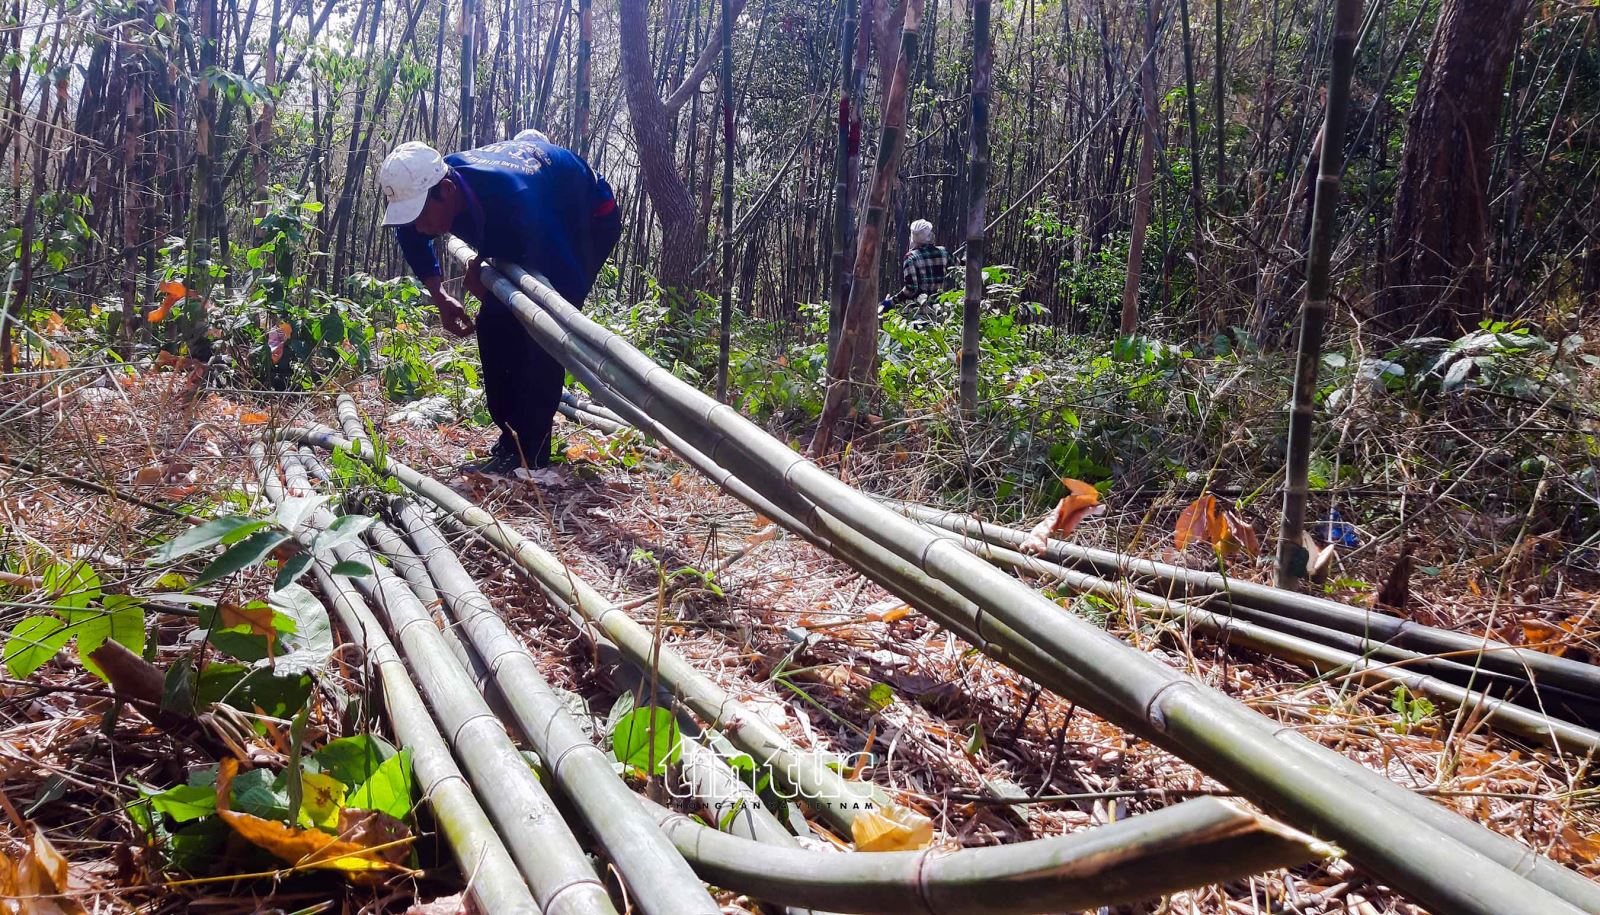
787, 630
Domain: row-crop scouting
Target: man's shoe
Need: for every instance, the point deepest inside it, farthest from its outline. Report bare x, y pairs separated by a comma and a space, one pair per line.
498, 465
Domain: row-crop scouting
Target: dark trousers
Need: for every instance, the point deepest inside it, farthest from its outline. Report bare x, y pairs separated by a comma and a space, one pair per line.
521, 382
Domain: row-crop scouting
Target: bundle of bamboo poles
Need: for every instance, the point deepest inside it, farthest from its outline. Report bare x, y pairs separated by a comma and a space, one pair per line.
1194, 843
1425, 850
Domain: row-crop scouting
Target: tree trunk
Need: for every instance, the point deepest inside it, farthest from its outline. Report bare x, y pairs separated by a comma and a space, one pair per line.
978, 198
857, 343
845, 154
580, 118
725, 324
1437, 276
1146, 177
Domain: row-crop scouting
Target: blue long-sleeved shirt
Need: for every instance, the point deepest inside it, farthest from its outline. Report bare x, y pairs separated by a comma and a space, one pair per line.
528, 202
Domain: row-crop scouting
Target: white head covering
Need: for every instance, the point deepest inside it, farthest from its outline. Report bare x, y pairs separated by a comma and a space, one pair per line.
921, 233
530, 135
406, 176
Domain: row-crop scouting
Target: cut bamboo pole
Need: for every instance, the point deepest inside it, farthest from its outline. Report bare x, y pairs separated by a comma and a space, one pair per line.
1323, 658
1191, 844
1195, 843
824, 790
659, 880
496, 885
1280, 769
1491, 655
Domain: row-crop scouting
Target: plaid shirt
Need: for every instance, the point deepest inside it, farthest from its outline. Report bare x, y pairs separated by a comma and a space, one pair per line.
924, 271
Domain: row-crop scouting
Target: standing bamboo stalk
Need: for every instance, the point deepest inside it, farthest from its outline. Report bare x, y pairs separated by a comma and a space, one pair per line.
469, 28
580, 119
725, 325
1292, 553
1145, 180
846, 149
860, 330
978, 198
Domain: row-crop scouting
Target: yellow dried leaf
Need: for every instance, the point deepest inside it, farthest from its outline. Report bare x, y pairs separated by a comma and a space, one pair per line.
891, 828
322, 798
34, 882
301, 848
897, 614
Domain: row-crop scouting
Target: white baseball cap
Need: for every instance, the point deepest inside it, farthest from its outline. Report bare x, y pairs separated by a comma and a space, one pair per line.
406, 177
530, 135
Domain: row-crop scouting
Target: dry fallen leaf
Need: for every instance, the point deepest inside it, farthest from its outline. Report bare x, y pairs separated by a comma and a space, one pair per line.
258, 619
1082, 501
253, 419
172, 293
33, 883
276, 338
302, 848
891, 828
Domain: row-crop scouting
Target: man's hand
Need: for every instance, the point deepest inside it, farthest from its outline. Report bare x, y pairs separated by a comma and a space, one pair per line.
475, 282
451, 314
454, 317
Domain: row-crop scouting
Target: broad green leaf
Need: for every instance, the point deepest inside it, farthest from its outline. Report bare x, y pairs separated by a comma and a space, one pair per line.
306, 649
343, 530
351, 569
121, 621
250, 551
208, 534
72, 587
293, 567
252, 688
353, 760
647, 740
193, 849
389, 788
294, 510
261, 793
177, 689
34, 641
186, 802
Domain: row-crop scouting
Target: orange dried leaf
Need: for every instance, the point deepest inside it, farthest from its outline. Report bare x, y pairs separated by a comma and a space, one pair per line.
1236, 535
897, 614
301, 848
1082, 501
1196, 522
258, 619
276, 338
253, 419
149, 476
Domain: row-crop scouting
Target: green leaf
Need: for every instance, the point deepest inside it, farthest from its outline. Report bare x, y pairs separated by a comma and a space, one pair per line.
389, 788
72, 587
293, 567
294, 510
177, 689
351, 569
308, 647
646, 739
353, 760
250, 551
251, 688
122, 621
193, 849
261, 793
34, 641
208, 534
186, 802
343, 530
880, 696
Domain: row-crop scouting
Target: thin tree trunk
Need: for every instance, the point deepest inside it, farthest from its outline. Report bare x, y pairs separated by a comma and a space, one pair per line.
858, 340
580, 129
725, 326
1146, 175
1292, 554
847, 148
978, 198
469, 70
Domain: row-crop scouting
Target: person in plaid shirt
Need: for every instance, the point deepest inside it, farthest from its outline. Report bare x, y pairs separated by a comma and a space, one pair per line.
924, 268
